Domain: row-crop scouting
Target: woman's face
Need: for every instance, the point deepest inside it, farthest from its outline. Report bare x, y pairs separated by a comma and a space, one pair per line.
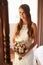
22, 14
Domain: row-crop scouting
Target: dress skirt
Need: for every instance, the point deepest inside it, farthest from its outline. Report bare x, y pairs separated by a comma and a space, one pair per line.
28, 59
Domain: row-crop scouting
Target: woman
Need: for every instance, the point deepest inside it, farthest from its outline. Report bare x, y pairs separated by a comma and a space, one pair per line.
25, 31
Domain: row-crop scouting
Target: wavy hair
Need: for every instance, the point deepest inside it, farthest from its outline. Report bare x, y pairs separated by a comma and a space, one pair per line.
26, 9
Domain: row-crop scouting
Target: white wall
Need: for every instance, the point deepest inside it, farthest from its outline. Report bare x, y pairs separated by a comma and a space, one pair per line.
11, 33
13, 6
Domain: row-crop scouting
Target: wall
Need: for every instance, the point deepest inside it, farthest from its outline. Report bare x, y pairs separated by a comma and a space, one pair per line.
13, 6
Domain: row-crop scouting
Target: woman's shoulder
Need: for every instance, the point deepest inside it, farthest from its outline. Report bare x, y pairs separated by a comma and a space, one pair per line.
16, 24
15, 27
34, 31
34, 25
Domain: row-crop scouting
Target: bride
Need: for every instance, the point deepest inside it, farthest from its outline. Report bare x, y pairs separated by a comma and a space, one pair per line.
25, 32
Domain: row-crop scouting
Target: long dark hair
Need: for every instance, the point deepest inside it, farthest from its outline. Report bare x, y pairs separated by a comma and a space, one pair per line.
26, 9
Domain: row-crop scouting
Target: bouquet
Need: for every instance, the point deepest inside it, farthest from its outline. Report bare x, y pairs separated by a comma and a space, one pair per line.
20, 48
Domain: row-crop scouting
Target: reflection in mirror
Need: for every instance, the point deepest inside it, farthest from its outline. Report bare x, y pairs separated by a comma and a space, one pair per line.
19, 13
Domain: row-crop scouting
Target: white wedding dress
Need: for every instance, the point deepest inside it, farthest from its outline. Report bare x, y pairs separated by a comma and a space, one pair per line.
29, 58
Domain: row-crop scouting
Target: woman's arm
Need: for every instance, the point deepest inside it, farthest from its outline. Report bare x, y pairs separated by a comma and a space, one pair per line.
35, 32
35, 36
38, 62
14, 33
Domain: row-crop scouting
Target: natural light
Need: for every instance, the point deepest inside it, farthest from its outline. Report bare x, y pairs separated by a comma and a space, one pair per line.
13, 6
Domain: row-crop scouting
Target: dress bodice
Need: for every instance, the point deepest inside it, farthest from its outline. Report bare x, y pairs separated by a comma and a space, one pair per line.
23, 36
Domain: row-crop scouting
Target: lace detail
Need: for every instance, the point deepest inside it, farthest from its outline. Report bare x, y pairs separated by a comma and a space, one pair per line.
23, 36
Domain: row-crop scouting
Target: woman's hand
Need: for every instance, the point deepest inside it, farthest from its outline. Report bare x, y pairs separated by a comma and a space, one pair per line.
22, 55
29, 49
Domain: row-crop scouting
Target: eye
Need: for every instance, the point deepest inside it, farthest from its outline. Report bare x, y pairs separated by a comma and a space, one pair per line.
23, 12
19, 12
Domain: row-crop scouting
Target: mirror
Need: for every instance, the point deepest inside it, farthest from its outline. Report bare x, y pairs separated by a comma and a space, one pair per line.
14, 16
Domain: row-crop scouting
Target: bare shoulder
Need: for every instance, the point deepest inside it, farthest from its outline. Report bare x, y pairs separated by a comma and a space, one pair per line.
35, 31
14, 32
15, 26
34, 26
